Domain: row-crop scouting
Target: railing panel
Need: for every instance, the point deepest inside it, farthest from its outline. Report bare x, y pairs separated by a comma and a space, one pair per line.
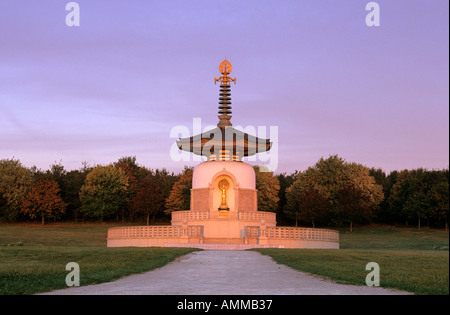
155, 231
268, 217
300, 233
190, 215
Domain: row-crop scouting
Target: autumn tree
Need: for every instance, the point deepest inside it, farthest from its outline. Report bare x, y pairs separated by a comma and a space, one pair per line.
268, 187
43, 201
104, 192
15, 182
180, 195
69, 185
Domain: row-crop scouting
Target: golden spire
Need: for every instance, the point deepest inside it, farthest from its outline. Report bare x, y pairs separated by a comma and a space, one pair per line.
225, 70
225, 94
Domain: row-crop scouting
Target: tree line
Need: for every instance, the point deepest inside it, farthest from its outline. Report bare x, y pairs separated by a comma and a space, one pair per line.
333, 192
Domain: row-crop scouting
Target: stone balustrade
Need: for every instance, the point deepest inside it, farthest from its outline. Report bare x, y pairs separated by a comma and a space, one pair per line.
300, 233
269, 218
253, 236
188, 215
165, 231
252, 232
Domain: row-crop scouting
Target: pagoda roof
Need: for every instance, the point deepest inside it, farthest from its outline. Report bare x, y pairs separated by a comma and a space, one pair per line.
224, 141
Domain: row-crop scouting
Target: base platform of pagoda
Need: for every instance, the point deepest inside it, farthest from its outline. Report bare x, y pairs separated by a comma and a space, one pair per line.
193, 237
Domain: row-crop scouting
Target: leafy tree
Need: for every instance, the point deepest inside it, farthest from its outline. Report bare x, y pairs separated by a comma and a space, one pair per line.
57, 172
353, 205
44, 201
439, 199
149, 199
400, 192
331, 179
417, 206
305, 201
388, 212
382, 211
165, 181
180, 195
104, 192
421, 194
408, 196
311, 206
268, 187
69, 183
285, 181
131, 169
129, 162
15, 182
70, 191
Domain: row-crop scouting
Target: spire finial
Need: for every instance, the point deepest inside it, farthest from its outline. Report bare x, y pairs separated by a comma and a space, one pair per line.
225, 93
225, 69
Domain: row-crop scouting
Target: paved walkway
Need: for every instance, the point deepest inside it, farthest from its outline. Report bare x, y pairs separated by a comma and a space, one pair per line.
223, 273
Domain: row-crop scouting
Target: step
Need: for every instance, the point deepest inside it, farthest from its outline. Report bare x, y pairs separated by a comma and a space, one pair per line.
228, 241
222, 246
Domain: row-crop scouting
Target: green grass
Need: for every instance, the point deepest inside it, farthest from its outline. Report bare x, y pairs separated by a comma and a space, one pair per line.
33, 258
54, 234
394, 238
409, 260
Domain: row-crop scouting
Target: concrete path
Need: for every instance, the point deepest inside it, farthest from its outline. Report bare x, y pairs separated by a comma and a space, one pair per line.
223, 273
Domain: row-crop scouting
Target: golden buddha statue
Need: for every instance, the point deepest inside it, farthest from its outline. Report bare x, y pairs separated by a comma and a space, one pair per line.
223, 186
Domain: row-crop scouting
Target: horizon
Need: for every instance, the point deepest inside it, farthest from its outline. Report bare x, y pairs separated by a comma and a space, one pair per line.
177, 172
116, 85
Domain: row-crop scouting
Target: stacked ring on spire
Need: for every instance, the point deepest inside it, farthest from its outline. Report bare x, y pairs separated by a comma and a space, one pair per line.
225, 102
225, 99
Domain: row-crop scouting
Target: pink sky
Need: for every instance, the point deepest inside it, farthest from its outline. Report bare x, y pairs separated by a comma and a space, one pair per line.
117, 84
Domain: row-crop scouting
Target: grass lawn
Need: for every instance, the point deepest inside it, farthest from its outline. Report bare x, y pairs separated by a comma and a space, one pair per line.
394, 238
409, 260
33, 258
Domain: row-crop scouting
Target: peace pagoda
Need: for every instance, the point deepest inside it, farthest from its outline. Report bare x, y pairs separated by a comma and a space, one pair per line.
223, 211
